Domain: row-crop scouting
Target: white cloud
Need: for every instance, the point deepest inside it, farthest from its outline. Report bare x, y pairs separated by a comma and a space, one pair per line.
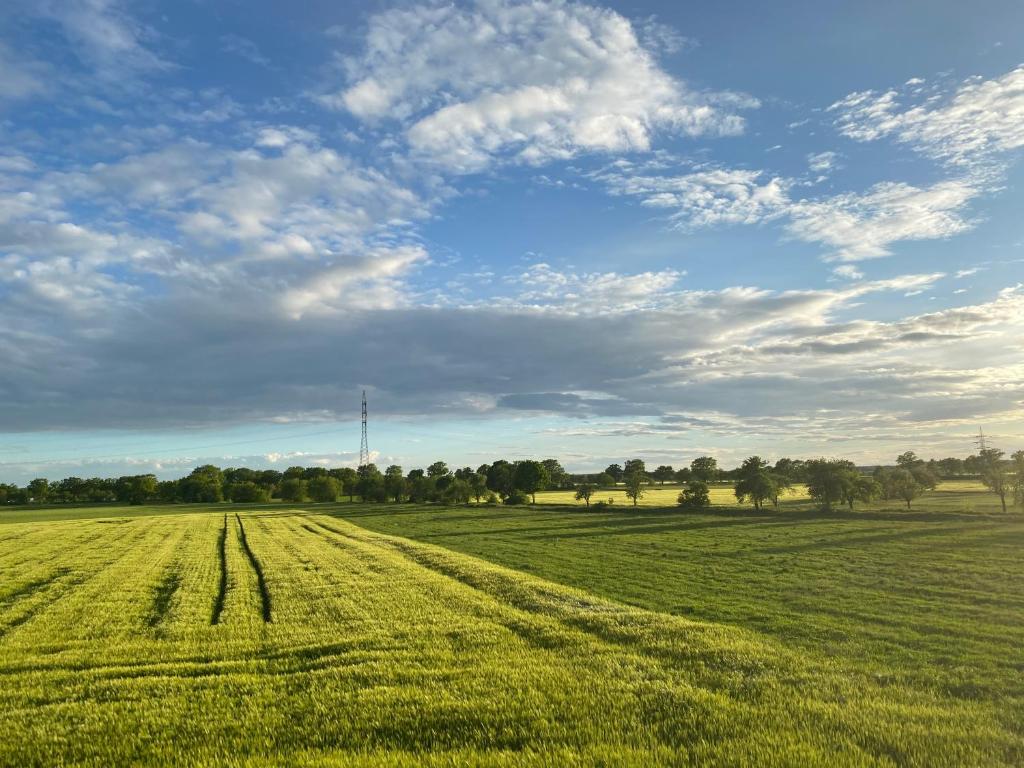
848, 272
104, 36
705, 198
822, 162
854, 226
864, 226
981, 118
528, 80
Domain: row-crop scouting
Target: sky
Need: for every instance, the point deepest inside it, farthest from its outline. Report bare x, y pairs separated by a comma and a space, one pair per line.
525, 229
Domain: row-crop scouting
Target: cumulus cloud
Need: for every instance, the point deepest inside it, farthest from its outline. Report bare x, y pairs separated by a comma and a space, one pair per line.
532, 81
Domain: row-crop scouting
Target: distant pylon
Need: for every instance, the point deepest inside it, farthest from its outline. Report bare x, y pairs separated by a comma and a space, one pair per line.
364, 448
980, 442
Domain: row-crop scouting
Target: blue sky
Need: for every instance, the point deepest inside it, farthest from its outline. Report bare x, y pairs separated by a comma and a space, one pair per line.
527, 229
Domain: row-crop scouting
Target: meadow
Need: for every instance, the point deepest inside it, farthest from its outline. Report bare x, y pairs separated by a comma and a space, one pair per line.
407, 635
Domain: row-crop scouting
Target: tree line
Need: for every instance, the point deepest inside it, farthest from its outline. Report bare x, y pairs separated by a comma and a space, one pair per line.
830, 482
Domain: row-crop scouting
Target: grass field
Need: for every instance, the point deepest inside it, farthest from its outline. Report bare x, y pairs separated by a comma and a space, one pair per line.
530, 636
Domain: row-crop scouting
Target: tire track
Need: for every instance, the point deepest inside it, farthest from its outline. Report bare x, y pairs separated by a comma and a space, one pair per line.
222, 589
258, 569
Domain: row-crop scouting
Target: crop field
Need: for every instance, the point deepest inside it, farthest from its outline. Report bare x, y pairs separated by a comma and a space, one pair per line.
656, 496
495, 636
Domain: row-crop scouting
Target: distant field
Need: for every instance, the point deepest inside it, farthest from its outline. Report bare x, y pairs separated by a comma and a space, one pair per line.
626, 637
655, 496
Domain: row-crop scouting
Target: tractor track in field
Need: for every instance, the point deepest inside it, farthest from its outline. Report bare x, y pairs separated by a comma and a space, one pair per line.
163, 595
261, 580
222, 588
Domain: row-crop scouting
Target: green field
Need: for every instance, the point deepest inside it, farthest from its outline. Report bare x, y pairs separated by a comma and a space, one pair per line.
398, 634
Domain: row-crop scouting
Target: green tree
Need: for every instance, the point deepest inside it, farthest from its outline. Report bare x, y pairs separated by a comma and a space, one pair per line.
529, 477
478, 485
437, 469
829, 480
457, 492
500, 478
371, 484
634, 465
614, 471
704, 468
907, 460
755, 482
903, 485
634, 483
993, 474
394, 482
39, 490
604, 480
323, 488
695, 495
583, 492
136, 489
292, 489
557, 477
246, 492
1018, 478
204, 485
663, 474
861, 488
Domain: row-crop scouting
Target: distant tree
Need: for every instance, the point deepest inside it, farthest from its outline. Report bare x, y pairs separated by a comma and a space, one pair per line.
295, 473
583, 492
557, 477
791, 469
394, 482
530, 477
829, 480
457, 492
634, 483
683, 475
349, 480
704, 468
478, 485
246, 492
993, 474
783, 484
418, 487
905, 486
39, 490
437, 469
950, 467
1018, 478
136, 489
615, 472
908, 459
604, 480
663, 473
861, 488
370, 486
755, 482
463, 474
323, 488
695, 495
500, 478
632, 466
292, 489
204, 485
925, 477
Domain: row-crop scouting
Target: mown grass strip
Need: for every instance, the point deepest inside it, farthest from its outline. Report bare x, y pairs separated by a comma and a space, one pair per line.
222, 589
260, 580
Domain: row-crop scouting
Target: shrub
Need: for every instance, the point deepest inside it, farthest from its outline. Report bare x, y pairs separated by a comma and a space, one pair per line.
517, 497
695, 495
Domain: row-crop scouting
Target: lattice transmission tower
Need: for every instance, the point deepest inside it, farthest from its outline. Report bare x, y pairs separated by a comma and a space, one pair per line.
980, 441
364, 448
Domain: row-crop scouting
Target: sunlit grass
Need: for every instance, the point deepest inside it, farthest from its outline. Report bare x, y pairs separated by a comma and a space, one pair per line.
752, 639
